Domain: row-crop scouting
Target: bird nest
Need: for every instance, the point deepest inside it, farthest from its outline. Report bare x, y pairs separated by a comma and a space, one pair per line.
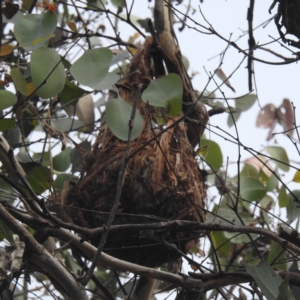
288, 17
162, 182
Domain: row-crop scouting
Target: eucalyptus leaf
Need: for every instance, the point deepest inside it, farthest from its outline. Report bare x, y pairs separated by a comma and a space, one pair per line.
34, 30
293, 208
118, 113
277, 256
70, 92
67, 124
47, 72
266, 278
212, 153
252, 189
165, 92
61, 162
7, 99
92, 67
249, 171
7, 123
120, 56
109, 80
19, 81
279, 154
245, 102
283, 197
61, 179
38, 176
231, 116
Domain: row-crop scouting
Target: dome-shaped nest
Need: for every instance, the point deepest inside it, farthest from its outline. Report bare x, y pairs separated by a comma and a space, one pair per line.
163, 181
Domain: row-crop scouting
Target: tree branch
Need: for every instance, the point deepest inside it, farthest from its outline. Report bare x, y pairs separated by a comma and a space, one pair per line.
41, 258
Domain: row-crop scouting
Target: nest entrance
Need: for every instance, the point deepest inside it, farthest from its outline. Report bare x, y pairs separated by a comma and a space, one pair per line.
163, 181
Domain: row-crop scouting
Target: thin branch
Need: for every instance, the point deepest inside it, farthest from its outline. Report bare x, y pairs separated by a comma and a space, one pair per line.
120, 183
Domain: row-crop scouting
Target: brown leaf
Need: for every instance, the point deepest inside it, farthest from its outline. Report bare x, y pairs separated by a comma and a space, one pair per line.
267, 116
72, 25
6, 50
223, 77
270, 115
285, 116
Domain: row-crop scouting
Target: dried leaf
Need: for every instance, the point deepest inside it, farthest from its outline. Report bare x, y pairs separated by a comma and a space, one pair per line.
223, 77
267, 116
285, 116
72, 26
6, 50
270, 115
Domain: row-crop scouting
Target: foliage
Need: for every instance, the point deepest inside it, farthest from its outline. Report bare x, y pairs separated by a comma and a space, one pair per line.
62, 69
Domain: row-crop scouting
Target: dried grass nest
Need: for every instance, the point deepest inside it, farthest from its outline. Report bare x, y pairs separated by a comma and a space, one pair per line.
163, 182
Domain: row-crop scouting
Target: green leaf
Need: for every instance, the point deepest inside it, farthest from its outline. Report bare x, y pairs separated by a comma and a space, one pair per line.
6, 232
293, 208
266, 278
61, 179
61, 162
220, 243
236, 238
43, 62
246, 102
284, 290
185, 62
70, 92
280, 154
92, 67
6, 124
33, 31
165, 92
272, 183
95, 4
235, 115
7, 99
249, 171
109, 80
67, 124
39, 157
212, 153
118, 114
277, 256
283, 197
118, 3
76, 156
19, 81
38, 176
223, 216
5, 188
252, 189
144, 24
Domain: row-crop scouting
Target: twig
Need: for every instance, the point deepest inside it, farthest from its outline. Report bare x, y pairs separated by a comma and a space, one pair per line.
120, 183
251, 43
